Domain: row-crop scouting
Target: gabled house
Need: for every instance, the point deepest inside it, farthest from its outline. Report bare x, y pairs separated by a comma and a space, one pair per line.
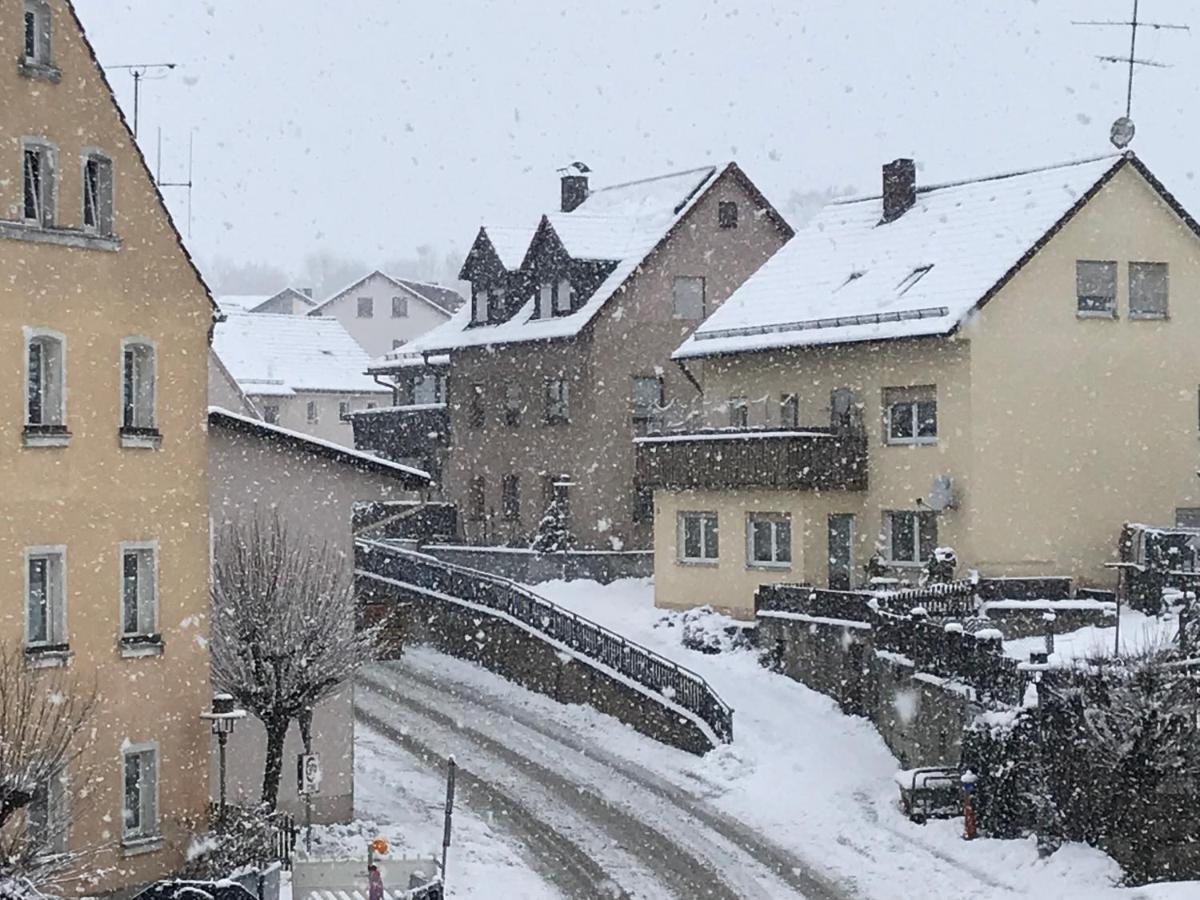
562, 356
288, 302
1003, 366
301, 372
104, 326
383, 313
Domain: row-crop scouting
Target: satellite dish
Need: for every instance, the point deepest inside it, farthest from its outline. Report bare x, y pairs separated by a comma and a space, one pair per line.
941, 494
1122, 132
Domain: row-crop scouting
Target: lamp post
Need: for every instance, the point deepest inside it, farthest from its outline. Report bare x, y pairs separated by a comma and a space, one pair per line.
223, 716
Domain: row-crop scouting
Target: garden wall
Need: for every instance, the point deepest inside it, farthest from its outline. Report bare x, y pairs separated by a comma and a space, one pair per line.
527, 567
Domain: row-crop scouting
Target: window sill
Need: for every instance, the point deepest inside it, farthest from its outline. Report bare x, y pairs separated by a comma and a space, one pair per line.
769, 567
45, 436
53, 656
918, 442
699, 563
142, 645
141, 846
1148, 317
1108, 314
65, 237
38, 71
556, 422
141, 438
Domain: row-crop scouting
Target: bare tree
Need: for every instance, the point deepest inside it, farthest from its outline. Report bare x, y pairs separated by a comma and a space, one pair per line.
284, 633
41, 713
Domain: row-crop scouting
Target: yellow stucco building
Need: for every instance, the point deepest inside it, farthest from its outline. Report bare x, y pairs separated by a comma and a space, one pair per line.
104, 330
1003, 366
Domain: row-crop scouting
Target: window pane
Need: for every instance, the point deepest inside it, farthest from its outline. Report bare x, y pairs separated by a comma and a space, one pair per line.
35, 387
688, 295
132, 812
399, 307
900, 422
711, 546
760, 540
1148, 288
927, 418
366, 307
130, 575
546, 300
33, 185
691, 537
1095, 285
928, 529
38, 601
91, 192
783, 541
31, 41
903, 541
647, 397
789, 411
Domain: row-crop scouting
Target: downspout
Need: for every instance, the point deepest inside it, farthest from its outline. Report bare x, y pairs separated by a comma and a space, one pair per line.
688, 375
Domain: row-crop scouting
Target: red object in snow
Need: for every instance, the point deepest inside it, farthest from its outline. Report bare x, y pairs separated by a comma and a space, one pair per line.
968, 818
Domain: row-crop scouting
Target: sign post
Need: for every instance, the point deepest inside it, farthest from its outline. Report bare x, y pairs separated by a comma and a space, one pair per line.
449, 813
308, 782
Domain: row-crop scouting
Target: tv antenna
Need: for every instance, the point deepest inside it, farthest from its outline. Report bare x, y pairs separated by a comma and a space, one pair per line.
140, 71
186, 185
1122, 129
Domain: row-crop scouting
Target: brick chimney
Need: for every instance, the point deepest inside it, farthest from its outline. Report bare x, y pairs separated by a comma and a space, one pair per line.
899, 188
574, 186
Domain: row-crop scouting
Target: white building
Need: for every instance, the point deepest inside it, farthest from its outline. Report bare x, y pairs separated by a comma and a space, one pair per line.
383, 313
305, 373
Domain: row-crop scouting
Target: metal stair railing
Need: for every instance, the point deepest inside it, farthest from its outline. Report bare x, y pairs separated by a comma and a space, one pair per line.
672, 681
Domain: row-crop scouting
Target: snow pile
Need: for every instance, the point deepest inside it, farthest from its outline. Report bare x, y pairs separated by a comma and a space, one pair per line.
1139, 633
707, 631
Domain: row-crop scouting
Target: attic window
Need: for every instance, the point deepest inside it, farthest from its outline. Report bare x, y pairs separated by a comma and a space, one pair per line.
727, 214
912, 278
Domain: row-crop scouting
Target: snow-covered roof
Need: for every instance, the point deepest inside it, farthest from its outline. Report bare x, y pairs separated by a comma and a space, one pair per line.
251, 302
510, 243
400, 358
328, 449
621, 224
274, 354
443, 299
849, 277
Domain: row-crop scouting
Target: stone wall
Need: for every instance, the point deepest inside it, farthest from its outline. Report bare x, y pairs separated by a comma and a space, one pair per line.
509, 649
921, 717
1024, 618
527, 567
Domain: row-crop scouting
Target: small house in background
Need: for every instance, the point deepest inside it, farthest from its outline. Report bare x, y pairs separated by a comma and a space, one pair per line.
383, 313
303, 373
288, 302
1005, 366
313, 485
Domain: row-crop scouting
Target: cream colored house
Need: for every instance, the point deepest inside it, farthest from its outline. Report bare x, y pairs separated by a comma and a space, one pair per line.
104, 327
314, 485
383, 313
300, 372
1004, 366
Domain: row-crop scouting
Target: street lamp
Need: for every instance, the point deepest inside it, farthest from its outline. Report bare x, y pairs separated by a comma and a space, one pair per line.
223, 716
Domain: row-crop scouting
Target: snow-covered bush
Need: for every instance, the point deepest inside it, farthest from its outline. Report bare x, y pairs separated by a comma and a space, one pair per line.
708, 631
17, 888
940, 567
244, 839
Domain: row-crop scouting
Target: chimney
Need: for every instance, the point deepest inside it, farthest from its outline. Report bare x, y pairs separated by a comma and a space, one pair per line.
307, 292
574, 186
899, 188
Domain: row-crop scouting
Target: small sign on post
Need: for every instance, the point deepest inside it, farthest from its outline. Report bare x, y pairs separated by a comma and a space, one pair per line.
308, 783
453, 766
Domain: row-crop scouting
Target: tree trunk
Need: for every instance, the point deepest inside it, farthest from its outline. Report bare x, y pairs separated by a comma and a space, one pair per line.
276, 735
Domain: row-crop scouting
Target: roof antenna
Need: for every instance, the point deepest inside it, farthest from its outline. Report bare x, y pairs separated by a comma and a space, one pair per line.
187, 185
139, 72
1122, 130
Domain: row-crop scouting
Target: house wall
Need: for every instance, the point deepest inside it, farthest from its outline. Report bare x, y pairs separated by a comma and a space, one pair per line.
897, 475
293, 412
315, 496
223, 390
377, 334
633, 335
1083, 424
93, 494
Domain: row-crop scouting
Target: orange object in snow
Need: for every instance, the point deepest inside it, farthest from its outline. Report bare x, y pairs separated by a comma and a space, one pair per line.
380, 846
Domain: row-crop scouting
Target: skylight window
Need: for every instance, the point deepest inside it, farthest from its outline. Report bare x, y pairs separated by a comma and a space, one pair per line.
912, 278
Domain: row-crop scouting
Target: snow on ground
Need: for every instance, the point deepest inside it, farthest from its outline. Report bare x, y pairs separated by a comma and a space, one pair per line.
814, 779
398, 797
1139, 633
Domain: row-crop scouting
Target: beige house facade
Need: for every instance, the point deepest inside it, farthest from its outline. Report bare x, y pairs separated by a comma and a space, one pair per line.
562, 355
253, 468
1019, 410
105, 327
383, 313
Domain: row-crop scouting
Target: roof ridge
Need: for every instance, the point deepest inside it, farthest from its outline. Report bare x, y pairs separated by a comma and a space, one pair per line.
1001, 176
624, 184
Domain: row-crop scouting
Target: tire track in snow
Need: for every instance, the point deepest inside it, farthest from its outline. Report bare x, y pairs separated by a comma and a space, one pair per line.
675, 867
555, 858
787, 866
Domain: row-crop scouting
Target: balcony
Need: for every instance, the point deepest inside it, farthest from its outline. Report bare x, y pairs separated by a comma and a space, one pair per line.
724, 459
408, 434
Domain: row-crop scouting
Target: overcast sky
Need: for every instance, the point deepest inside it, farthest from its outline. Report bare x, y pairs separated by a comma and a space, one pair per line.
368, 128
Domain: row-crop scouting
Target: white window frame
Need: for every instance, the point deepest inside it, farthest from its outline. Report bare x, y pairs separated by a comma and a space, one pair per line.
148, 623
30, 335
48, 187
148, 806
56, 601
774, 520
562, 297
705, 558
917, 515
1150, 314
52, 834
105, 208
479, 304
1109, 312
143, 432
909, 400
401, 303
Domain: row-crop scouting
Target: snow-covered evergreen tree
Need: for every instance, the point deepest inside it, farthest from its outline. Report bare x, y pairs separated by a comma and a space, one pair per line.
553, 533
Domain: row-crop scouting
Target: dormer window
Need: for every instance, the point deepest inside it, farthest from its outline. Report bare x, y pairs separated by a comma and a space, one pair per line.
479, 303
562, 298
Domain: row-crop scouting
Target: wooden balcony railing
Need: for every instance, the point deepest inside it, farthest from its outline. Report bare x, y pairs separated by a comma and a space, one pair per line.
402, 433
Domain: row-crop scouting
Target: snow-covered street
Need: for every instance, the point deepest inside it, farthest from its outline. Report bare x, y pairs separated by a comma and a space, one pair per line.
802, 804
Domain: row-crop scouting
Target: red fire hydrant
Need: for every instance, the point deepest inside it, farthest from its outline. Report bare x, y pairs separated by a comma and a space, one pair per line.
968, 780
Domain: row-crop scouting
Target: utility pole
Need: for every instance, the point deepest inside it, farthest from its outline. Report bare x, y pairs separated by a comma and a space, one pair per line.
1122, 129
140, 71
